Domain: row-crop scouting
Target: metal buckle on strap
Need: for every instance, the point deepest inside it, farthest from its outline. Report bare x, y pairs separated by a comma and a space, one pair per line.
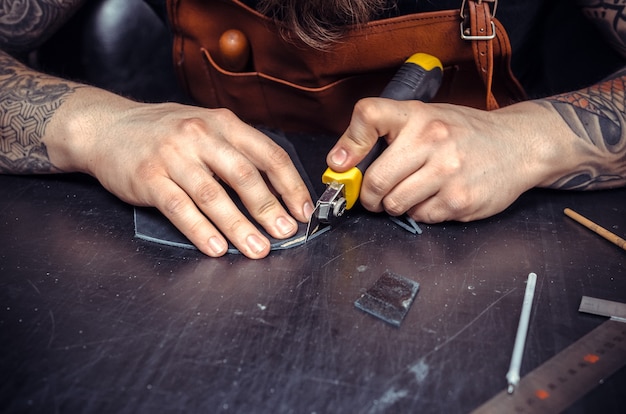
478, 37
493, 10
485, 37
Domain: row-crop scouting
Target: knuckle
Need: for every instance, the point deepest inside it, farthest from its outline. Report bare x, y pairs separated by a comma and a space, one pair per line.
377, 184
437, 130
435, 213
460, 201
435, 216
366, 111
265, 208
246, 175
174, 204
197, 126
146, 170
193, 126
279, 157
393, 206
207, 193
234, 225
194, 229
448, 167
443, 207
298, 188
454, 207
223, 113
222, 118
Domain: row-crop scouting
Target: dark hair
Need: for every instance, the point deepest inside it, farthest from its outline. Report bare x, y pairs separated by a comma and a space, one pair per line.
319, 23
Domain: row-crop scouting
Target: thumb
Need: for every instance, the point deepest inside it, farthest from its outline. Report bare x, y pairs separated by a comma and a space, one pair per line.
361, 135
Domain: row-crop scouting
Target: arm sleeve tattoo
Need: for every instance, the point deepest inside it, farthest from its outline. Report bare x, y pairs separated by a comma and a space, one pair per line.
25, 24
610, 18
597, 116
28, 100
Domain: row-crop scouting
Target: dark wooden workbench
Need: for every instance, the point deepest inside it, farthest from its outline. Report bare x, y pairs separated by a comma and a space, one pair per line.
94, 320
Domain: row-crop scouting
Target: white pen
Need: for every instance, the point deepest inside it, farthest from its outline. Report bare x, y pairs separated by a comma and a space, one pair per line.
520, 339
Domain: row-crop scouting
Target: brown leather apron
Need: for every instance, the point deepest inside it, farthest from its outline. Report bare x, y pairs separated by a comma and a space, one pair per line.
293, 87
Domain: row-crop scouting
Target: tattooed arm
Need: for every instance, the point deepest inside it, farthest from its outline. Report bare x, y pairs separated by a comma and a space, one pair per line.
28, 101
597, 116
174, 157
26, 24
610, 18
448, 162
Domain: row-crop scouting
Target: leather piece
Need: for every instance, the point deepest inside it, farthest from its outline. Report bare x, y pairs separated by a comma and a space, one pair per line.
152, 226
295, 88
389, 298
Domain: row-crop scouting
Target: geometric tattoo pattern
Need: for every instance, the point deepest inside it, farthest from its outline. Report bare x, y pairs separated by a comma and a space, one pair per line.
27, 99
27, 103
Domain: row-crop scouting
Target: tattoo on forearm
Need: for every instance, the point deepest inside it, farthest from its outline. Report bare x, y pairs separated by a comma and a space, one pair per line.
25, 24
610, 17
597, 115
28, 101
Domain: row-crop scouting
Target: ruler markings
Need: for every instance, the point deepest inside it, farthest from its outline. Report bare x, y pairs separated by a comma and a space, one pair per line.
576, 370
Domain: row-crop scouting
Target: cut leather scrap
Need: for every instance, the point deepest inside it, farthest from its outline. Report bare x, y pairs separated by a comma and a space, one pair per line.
389, 298
152, 226
407, 223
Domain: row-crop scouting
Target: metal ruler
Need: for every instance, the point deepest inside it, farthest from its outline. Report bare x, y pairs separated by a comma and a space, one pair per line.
603, 307
566, 377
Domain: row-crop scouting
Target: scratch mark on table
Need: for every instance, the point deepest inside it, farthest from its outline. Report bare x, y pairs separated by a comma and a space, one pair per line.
302, 281
104, 341
52, 329
33, 285
476, 252
419, 370
347, 251
15, 196
264, 322
460, 331
334, 382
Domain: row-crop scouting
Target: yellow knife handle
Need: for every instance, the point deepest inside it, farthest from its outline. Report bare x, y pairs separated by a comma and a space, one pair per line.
351, 180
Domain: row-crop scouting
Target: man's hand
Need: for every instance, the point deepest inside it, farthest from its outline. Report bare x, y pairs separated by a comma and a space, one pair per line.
447, 162
179, 159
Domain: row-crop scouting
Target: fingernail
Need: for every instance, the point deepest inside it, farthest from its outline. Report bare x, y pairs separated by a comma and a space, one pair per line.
285, 225
339, 157
256, 244
217, 245
308, 209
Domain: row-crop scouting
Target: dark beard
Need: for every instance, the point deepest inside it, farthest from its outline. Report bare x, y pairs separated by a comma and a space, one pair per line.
320, 23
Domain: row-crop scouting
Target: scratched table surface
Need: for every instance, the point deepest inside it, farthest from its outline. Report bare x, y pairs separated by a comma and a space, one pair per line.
94, 320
